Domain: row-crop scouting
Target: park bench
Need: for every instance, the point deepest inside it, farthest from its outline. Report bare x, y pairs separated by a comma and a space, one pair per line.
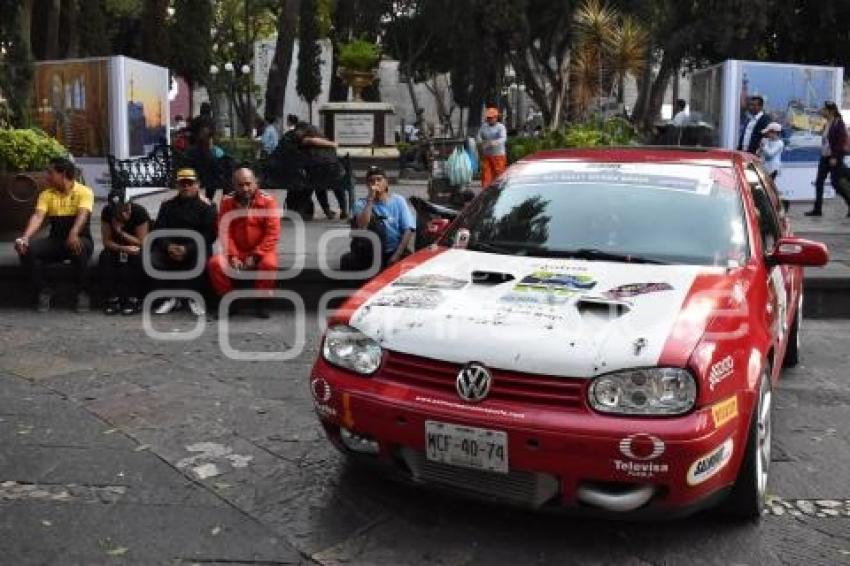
153, 170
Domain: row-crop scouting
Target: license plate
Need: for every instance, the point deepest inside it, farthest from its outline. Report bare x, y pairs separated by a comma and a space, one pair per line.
467, 446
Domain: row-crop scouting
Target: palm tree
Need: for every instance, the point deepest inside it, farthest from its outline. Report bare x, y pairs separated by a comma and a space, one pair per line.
629, 52
596, 26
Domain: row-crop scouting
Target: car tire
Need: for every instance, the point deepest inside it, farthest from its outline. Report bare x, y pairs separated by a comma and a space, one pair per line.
792, 351
747, 499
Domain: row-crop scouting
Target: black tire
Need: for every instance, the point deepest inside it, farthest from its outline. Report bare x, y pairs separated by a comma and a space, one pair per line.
747, 498
792, 352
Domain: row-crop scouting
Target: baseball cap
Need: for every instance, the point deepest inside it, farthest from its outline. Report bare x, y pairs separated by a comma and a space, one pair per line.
772, 127
186, 174
374, 171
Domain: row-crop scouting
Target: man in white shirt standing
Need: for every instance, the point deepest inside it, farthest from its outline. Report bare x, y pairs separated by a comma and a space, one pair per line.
750, 140
681, 117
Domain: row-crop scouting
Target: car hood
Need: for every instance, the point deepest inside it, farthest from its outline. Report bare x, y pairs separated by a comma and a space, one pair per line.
547, 316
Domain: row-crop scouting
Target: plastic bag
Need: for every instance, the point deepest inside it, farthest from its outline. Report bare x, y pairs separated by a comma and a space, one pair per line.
459, 168
472, 152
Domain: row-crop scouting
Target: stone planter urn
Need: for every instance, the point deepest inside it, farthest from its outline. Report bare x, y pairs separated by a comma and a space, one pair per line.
357, 80
18, 194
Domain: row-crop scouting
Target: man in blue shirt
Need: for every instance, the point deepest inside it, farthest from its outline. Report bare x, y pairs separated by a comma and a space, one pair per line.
399, 224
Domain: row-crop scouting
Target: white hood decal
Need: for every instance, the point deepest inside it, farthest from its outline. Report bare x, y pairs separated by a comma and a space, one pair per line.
547, 316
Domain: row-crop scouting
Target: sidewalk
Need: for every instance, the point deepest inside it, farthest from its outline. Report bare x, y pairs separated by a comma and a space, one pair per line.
74, 490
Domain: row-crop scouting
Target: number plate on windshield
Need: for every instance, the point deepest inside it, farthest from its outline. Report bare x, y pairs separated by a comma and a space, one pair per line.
466, 446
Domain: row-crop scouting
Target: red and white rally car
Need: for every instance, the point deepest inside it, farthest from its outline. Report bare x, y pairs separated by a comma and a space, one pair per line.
600, 329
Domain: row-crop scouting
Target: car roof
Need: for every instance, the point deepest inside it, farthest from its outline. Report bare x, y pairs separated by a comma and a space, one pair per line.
644, 154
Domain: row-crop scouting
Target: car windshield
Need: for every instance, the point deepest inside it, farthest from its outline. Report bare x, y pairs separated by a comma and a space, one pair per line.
645, 212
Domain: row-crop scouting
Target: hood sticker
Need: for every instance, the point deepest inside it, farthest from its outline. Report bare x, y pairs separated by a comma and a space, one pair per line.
635, 289
431, 281
410, 299
549, 287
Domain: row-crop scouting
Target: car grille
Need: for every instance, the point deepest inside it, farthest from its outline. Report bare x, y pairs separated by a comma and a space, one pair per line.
519, 488
529, 389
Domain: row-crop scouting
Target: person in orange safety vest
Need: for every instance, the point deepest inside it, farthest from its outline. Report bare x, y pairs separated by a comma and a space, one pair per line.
248, 239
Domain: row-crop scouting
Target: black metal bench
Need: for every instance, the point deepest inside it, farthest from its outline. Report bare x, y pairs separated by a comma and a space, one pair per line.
153, 170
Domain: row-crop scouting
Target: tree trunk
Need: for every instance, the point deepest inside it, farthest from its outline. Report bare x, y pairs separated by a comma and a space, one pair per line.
279, 71
414, 100
561, 87
72, 10
656, 93
51, 45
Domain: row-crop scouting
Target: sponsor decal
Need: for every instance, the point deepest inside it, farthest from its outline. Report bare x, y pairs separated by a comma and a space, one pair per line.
431, 281
462, 239
321, 390
641, 469
635, 289
641, 446
724, 411
720, 371
347, 417
549, 287
639, 345
708, 465
410, 299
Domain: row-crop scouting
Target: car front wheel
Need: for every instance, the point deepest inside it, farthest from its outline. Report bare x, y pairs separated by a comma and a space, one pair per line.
747, 499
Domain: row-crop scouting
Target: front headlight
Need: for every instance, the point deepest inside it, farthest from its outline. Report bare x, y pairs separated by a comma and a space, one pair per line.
349, 348
649, 391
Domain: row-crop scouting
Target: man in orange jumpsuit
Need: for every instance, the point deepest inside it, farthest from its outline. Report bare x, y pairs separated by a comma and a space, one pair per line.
249, 230
492, 136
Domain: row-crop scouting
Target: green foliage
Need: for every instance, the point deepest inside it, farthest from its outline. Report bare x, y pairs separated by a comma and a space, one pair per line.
191, 52
359, 55
242, 150
613, 132
27, 150
309, 78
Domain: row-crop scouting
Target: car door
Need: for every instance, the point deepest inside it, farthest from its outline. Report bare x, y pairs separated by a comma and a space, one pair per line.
782, 279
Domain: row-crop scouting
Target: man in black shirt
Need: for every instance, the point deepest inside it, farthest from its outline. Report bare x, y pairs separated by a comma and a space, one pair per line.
186, 211
123, 225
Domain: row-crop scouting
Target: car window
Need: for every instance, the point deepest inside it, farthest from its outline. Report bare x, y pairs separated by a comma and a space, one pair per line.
768, 215
688, 214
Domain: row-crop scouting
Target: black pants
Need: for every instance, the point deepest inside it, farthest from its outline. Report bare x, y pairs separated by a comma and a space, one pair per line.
339, 194
838, 176
47, 251
161, 261
121, 278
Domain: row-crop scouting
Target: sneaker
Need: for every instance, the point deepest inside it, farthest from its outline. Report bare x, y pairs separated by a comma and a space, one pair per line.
113, 305
196, 308
168, 305
83, 302
131, 306
260, 310
44, 298
813, 213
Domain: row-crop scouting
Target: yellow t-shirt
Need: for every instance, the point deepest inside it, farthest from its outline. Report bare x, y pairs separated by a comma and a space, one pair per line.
61, 209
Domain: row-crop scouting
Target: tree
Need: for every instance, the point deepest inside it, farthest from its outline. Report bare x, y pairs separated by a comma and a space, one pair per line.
353, 19
191, 55
94, 39
309, 79
16, 64
279, 70
154, 43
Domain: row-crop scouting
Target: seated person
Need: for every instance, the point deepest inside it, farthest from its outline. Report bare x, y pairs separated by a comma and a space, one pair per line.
397, 223
249, 242
186, 211
123, 226
67, 205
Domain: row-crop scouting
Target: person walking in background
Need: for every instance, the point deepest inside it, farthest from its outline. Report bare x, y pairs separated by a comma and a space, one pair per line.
249, 240
770, 150
209, 162
681, 118
750, 139
123, 226
833, 149
268, 135
493, 138
67, 205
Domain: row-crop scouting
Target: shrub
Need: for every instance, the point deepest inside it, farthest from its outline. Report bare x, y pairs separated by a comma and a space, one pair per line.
358, 55
27, 150
615, 131
242, 150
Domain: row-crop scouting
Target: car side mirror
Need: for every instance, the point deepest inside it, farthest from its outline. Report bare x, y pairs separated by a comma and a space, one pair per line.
798, 251
436, 227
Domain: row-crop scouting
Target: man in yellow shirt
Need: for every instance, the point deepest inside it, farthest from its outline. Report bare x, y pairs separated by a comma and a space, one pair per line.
67, 205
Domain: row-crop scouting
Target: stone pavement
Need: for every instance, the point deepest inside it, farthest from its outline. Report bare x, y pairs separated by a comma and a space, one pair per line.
171, 452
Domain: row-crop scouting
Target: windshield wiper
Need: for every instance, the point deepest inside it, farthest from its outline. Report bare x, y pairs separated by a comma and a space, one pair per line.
594, 254
492, 248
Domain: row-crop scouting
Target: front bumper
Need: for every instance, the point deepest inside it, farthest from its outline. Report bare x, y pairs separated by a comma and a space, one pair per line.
570, 458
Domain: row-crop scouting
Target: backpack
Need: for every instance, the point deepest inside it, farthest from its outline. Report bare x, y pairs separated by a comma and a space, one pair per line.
362, 253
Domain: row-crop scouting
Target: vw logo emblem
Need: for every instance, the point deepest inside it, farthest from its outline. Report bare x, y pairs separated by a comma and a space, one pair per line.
473, 383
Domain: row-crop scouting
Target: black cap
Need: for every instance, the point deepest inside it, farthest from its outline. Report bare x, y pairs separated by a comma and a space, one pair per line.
374, 171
